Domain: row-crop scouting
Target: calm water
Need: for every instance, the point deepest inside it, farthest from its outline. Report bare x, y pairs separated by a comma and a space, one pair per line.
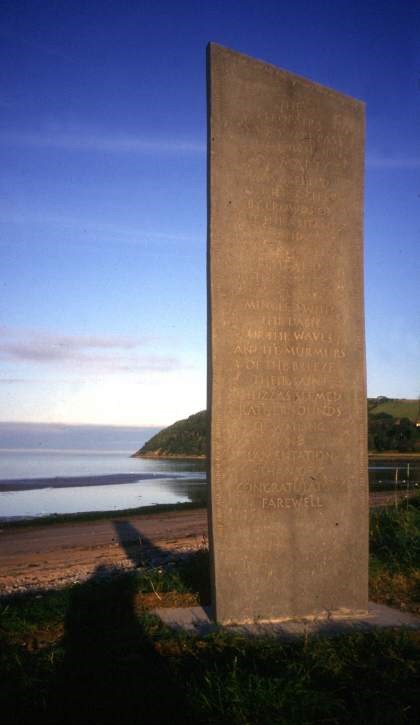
393, 472
41, 482
36, 483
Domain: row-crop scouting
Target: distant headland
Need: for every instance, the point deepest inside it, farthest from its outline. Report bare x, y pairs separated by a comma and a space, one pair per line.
184, 439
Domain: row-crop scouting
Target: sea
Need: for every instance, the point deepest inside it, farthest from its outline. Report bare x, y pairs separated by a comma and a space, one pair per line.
93, 470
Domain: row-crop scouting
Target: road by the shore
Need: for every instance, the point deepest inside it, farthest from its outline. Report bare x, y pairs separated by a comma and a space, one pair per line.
42, 557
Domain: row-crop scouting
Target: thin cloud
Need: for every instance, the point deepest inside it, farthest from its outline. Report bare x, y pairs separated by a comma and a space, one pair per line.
383, 162
14, 381
101, 354
103, 143
66, 344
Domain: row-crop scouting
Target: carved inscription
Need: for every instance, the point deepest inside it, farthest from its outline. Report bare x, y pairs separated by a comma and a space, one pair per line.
217, 479
298, 344
296, 503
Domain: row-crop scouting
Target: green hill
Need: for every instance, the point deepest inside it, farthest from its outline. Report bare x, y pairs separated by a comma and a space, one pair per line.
398, 408
184, 439
391, 427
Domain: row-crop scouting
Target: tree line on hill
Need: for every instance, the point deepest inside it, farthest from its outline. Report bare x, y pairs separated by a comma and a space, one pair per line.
184, 438
393, 424
386, 432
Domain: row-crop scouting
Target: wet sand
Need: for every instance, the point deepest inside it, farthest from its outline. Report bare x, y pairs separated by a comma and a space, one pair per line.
29, 484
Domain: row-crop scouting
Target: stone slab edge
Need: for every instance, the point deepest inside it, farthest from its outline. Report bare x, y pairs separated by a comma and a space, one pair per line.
197, 620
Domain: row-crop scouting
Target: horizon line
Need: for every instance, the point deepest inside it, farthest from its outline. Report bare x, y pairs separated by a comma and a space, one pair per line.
82, 425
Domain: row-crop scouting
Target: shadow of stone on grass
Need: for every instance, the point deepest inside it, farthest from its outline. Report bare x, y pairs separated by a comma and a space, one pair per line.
111, 673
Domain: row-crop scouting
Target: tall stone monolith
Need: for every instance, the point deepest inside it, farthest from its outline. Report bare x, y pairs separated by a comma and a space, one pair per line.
289, 493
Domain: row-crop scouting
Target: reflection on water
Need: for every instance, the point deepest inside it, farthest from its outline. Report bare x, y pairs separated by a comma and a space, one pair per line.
34, 483
394, 472
21, 464
197, 491
142, 483
41, 502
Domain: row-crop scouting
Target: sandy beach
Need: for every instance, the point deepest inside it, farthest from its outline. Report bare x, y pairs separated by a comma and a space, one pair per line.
54, 555
43, 557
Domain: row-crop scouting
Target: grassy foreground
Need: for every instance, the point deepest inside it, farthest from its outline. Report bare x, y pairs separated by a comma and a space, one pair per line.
395, 556
92, 653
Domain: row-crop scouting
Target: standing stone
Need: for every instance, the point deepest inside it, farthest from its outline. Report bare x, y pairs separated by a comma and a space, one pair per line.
287, 397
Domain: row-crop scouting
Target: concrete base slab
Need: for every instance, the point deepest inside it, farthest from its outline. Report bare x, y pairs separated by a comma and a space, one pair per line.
197, 620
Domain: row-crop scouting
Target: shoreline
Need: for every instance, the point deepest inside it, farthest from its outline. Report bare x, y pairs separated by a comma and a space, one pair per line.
33, 484
91, 516
378, 498
372, 455
168, 457
36, 556
12, 486
393, 455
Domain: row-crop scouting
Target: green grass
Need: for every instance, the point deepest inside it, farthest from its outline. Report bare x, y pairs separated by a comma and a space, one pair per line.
394, 535
93, 653
402, 408
395, 556
350, 679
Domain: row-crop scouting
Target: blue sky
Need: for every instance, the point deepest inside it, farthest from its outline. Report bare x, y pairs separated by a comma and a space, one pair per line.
103, 193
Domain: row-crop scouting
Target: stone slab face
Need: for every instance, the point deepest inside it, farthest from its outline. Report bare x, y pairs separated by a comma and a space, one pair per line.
287, 391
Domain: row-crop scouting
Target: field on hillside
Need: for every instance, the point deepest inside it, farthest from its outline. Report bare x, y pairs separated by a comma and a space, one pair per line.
401, 408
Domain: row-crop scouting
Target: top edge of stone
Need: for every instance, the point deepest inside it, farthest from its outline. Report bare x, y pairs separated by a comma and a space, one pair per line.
213, 47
